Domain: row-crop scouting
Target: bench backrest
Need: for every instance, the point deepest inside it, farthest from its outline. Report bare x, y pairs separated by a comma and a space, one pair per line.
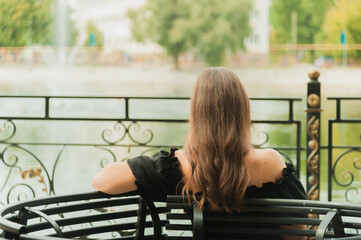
97, 215
264, 219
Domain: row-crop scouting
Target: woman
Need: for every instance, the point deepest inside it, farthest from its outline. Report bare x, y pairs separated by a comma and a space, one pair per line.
218, 159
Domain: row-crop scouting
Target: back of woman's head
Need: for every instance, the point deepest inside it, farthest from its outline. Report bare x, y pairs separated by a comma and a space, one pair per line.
219, 138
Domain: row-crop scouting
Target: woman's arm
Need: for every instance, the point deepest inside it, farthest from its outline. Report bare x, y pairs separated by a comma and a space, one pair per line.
115, 178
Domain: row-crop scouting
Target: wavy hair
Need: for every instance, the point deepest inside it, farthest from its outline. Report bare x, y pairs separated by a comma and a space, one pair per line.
218, 139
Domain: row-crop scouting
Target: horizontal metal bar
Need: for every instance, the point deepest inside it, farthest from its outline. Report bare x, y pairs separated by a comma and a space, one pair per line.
49, 220
84, 219
343, 98
38, 237
178, 216
181, 227
263, 219
89, 205
59, 198
12, 227
275, 121
260, 231
347, 120
91, 97
131, 119
341, 147
120, 145
179, 238
348, 238
103, 229
135, 97
107, 228
95, 119
178, 199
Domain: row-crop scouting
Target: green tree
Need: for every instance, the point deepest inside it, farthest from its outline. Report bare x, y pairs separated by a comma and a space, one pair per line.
310, 18
25, 22
210, 28
94, 36
345, 15
219, 26
162, 22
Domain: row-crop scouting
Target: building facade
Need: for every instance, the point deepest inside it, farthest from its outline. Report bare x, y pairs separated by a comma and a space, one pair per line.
258, 41
109, 16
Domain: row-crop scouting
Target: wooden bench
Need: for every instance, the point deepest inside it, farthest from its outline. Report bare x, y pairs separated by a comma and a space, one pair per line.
262, 220
97, 215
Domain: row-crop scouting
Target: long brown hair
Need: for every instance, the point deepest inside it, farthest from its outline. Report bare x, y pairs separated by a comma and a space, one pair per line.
218, 139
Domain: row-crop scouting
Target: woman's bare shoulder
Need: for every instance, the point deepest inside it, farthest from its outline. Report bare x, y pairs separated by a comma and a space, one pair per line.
271, 163
270, 156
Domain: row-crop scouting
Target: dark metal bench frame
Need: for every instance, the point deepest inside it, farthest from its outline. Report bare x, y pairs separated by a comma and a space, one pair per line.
334, 223
14, 218
268, 211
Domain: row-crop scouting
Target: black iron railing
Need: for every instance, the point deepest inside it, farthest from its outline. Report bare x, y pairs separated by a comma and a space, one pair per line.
344, 157
42, 138
23, 140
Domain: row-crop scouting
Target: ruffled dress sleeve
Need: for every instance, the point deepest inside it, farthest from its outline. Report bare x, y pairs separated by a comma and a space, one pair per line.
158, 176
288, 187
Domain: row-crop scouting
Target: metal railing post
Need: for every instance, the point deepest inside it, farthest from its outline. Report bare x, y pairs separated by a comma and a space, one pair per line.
313, 135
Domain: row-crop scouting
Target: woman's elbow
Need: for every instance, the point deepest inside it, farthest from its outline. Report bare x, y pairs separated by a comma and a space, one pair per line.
97, 182
114, 179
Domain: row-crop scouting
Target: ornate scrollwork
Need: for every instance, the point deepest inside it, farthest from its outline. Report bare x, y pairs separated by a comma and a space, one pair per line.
146, 133
313, 100
117, 128
313, 163
262, 137
11, 160
7, 131
51, 181
20, 195
123, 131
14, 168
313, 158
105, 161
353, 195
347, 175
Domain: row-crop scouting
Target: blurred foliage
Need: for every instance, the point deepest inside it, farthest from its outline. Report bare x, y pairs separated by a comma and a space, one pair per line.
345, 15
310, 19
25, 22
209, 28
93, 32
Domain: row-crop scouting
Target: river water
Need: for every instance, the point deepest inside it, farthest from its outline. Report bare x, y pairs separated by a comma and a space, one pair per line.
71, 167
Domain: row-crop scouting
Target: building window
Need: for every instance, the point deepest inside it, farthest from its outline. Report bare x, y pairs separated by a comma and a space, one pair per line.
254, 39
255, 14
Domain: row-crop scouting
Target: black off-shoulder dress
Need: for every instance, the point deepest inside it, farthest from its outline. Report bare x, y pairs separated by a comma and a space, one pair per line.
159, 176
